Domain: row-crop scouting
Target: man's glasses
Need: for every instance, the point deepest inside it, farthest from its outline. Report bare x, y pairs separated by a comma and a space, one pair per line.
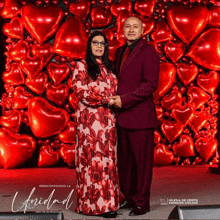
96, 43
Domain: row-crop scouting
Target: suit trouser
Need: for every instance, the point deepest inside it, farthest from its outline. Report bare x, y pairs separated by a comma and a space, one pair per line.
135, 163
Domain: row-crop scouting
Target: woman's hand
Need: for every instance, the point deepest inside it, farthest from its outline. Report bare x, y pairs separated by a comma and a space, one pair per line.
116, 101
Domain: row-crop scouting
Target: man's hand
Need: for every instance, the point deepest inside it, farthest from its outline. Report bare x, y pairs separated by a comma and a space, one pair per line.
116, 101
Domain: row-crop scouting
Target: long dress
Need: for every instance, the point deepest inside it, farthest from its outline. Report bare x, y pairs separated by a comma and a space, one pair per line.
96, 159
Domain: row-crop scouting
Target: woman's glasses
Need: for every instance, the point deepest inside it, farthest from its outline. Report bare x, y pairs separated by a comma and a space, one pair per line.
96, 43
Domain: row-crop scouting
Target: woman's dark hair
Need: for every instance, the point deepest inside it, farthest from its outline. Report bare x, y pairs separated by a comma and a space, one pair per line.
93, 67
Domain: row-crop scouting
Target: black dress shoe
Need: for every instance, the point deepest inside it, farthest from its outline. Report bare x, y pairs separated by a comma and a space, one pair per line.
126, 204
139, 210
111, 214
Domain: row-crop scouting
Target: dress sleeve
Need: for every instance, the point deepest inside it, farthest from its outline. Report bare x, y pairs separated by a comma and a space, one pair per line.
87, 91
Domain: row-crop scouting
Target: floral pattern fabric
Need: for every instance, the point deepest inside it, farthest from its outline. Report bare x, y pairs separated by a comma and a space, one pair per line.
96, 160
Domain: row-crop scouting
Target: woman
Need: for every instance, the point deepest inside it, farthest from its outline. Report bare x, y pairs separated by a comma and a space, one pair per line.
96, 164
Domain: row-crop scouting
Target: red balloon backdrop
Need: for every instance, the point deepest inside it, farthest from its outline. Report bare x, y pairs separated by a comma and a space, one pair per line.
46, 39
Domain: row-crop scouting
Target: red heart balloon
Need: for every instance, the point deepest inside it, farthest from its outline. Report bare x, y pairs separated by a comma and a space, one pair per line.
100, 17
73, 101
157, 137
162, 156
209, 81
109, 33
174, 51
198, 121
68, 155
159, 112
11, 8
113, 45
12, 120
144, 7
121, 17
183, 114
171, 130
15, 149
121, 5
185, 147
70, 40
44, 51
148, 25
58, 94
32, 66
14, 29
47, 157
187, 72
38, 84
20, 50
41, 23
45, 119
214, 16
69, 134
197, 96
14, 76
166, 78
204, 50
20, 98
187, 22
58, 72
80, 8
162, 33
206, 147
172, 99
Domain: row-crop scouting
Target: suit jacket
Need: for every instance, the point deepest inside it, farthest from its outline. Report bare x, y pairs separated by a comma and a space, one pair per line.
137, 82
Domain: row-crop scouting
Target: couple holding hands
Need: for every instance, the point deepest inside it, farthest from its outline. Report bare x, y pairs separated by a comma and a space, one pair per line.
115, 155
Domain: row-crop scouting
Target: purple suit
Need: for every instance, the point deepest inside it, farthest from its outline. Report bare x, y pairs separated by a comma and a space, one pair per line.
137, 118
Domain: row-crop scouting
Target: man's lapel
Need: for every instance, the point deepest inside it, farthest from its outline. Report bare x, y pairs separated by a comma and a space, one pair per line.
117, 61
134, 53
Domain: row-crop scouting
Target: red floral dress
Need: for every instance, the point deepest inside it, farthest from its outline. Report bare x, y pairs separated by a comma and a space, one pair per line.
96, 162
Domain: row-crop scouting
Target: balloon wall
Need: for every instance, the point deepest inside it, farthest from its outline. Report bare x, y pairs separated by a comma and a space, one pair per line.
45, 39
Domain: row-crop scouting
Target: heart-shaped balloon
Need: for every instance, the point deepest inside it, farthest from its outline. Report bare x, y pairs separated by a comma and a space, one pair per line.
20, 98
100, 17
14, 29
121, 17
37, 84
204, 50
44, 51
15, 149
69, 134
166, 78
122, 5
109, 33
197, 96
198, 121
185, 147
172, 99
73, 101
14, 76
12, 120
113, 45
174, 51
68, 155
159, 112
187, 22
162, 32
162, 156
58, 72
43, 22
32, 66
45, 119
20, 50
144, 7
47, 157
148, 25
157, 137
10, 9
80, 8
209, 81
183, 114
171, 130
187, 72
214, 16
71, 38
58, 94
206, 147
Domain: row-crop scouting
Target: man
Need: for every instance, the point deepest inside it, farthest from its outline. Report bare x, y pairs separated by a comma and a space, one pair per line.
137, 69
